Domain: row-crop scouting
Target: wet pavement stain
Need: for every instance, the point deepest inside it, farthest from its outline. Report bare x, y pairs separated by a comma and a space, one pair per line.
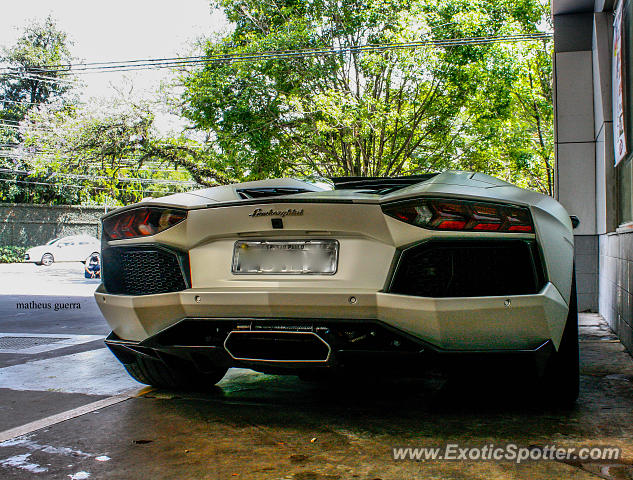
608, 471
267, 427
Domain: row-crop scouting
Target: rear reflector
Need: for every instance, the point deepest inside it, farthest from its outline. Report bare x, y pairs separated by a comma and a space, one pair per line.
449, 214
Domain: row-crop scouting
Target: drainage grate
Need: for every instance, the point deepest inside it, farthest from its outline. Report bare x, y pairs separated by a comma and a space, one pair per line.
22, 343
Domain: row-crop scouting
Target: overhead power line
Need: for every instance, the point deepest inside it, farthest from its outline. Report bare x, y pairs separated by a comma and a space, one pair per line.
148, 166
70, 185
18, 102
38, 78
132, 166
18, 127
172, 62
154, 181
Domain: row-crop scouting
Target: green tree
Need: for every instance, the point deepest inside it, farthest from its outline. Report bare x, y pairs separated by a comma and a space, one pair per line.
27, 78
535, 117
101, 152
381, 112
27, 81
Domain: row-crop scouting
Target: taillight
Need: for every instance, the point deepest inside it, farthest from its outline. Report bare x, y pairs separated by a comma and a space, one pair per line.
449, 214
141, 222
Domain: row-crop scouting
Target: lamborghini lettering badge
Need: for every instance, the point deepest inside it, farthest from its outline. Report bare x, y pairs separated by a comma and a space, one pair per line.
291, 212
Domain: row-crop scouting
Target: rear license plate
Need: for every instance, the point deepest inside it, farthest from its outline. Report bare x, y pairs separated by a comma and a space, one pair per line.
293, 257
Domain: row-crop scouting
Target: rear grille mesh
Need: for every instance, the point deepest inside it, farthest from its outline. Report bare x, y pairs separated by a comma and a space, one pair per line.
144, 270
469, 269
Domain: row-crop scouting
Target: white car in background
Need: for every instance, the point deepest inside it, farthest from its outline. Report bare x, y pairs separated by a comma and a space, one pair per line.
76, 248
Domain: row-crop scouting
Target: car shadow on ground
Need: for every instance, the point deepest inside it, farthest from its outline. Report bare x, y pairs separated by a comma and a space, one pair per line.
432, 396
511, 404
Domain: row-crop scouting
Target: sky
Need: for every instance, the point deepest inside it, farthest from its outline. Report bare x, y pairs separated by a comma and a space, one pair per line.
118, 30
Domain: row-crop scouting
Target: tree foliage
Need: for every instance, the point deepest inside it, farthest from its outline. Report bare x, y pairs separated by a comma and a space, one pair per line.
373, 113
533, 122
28, 79
26, 83
86, 154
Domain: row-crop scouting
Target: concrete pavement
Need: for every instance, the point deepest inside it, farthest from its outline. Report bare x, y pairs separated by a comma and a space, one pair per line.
81, 416
65, 278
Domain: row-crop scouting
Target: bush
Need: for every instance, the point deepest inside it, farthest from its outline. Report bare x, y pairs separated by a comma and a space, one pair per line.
12, 254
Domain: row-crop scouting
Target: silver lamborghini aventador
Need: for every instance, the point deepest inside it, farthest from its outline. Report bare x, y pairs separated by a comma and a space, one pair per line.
393, 274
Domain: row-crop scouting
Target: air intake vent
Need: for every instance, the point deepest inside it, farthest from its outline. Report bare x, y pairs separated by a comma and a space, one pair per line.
469, 269
378, 185
145, 270
246, 193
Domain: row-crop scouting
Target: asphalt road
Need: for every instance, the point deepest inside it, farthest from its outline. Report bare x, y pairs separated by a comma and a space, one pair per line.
49, 300
69, 410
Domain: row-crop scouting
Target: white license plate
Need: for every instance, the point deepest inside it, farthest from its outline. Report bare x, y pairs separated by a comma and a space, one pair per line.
292, 257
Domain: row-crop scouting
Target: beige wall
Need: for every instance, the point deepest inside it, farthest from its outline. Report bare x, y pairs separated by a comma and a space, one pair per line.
29, 225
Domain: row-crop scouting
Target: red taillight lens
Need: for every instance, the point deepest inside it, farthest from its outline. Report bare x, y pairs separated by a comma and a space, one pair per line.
141, 222
448, 214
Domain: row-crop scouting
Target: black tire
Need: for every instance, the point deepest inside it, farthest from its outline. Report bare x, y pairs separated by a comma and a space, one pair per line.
562, 372
157, 374
47, 260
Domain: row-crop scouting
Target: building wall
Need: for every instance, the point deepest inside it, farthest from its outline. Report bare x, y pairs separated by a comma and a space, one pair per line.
586, 258
604, 252
29, 225
575, 141
616, 284
615, 262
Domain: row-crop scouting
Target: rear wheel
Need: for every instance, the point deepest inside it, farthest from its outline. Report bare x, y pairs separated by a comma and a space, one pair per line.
156, 373
47, 260
562, 373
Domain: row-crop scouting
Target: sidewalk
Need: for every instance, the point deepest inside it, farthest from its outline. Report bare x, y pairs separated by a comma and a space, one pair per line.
266, 427
65, 279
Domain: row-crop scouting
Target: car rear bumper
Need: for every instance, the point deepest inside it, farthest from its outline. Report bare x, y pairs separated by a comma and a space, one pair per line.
411, 357
512, 323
